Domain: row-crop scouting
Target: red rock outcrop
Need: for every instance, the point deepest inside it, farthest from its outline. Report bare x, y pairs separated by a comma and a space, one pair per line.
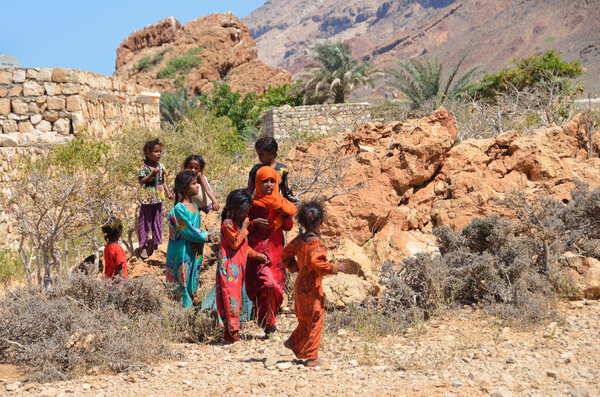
228, 54
416, 178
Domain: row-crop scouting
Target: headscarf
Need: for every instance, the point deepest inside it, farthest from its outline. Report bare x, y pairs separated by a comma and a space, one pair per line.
273, 201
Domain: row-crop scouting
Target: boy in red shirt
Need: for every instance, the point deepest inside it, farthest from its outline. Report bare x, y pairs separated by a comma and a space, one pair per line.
115, 262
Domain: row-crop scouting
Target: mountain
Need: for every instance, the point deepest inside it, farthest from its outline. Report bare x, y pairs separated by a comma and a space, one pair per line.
491, 31
218, 47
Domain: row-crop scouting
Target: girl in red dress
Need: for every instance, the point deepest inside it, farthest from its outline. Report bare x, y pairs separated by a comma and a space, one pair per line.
232, 262
270, 215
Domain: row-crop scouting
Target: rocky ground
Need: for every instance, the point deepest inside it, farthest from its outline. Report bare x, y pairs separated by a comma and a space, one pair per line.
459, 353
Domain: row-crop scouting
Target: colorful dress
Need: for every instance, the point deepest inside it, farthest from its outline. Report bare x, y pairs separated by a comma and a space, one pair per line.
309, 303
229, 281
184, 253
265, 282
152, 195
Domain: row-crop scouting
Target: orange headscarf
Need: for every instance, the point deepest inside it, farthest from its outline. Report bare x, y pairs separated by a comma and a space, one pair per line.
273, 201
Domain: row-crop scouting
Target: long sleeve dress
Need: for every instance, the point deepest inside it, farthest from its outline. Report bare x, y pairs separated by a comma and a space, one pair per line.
265, 282
229, 281
309, 304
184, 253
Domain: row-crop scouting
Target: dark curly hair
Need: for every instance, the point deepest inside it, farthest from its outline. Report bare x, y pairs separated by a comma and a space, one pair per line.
266, 143
237, 200
310, 214
112, 229
182, 181
148, 146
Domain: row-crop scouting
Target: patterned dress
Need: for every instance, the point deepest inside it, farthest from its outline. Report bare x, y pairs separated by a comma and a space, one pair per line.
184, 253
309, 303
229, 281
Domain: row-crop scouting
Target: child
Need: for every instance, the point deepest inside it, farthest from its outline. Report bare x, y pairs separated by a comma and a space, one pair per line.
232, 262
266, 148
196, 164
115, 263
270, 215
186, 240
154, 185
311, 266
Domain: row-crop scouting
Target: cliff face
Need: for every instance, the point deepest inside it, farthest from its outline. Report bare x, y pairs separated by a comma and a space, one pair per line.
382, 32
221, 43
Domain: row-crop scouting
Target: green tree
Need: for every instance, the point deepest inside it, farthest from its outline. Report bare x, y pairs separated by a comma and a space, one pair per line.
543, 71
335, 75
275, 97
242, 110
421, 81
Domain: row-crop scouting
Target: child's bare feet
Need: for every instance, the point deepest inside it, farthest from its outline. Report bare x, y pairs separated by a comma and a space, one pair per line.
317, 363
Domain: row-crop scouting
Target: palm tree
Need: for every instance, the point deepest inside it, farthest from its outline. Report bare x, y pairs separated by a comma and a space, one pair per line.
336, 75
175, 105
421, 82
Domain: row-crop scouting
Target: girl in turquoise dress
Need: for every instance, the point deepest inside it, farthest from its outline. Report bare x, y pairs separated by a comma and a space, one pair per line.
186, 240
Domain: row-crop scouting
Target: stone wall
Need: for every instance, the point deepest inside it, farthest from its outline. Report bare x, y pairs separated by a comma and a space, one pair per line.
41, 107
317, 119
45, 106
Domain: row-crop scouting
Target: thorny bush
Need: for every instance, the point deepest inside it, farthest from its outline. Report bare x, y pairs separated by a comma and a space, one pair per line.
496, 263
84, 323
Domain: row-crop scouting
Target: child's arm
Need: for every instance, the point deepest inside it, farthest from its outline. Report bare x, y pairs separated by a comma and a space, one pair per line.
288, 256
288, 222
166, 187
121, 268
234, 237
143, 179
185, 227
318, 262
209, 191
262, 258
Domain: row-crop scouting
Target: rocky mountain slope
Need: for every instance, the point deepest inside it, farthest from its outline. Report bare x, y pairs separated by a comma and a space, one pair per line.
382, 32
215, 47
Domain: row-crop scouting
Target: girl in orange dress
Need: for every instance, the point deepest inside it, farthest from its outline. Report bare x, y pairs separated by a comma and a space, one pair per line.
270, 215
232, 262
306, 255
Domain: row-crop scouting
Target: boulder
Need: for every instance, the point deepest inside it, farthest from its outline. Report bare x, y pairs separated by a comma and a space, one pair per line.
583, 273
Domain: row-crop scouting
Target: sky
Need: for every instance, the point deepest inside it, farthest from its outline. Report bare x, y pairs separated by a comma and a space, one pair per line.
85, 34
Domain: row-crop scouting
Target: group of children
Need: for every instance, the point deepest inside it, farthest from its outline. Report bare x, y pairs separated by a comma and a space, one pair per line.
253, 257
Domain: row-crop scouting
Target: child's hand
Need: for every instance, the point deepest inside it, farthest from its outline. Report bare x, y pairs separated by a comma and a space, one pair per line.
246, 223
170, 195
343, 268
216, 207
154, 170
262, 258
261, 223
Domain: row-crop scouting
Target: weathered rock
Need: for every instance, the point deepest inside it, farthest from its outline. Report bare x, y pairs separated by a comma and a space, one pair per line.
4, 106
31, 88
8, 140
342, 289
19, 107
584, 274
55, 103
62, 126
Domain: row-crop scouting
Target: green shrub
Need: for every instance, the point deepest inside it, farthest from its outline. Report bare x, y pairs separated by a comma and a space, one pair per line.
181, 66
275, 97
147, 63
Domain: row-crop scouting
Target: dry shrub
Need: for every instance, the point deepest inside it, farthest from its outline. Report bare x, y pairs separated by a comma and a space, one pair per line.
85, 323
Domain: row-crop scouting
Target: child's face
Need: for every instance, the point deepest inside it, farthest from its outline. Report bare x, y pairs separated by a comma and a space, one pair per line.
240, 215
267, 186
192, 188
265, 156
194, 166
155, 154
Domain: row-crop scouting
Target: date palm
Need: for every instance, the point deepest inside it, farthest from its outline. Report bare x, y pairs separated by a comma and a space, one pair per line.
421, 81
335, 75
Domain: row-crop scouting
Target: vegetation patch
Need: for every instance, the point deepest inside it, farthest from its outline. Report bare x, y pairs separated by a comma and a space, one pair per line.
147, 63
178, 68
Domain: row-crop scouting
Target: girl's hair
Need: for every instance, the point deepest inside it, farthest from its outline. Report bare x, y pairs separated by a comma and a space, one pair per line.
237, 200
112, 229
148, 146
310, 214
182, 181
266, 143
194, 157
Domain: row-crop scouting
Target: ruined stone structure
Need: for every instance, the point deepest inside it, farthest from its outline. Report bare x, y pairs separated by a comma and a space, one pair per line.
41, 107
315, 119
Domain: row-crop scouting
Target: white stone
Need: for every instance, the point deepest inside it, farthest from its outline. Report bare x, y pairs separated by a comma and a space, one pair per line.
36, 118
43, 126
283, 365
7, 140
45, 74
50, 88
62, 126
18, 75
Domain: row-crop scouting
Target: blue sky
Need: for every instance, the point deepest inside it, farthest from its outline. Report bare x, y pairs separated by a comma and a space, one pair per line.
85, 34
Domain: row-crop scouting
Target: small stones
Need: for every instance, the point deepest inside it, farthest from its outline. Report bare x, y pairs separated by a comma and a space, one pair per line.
270, 361
457, 384
282, 366
353, 363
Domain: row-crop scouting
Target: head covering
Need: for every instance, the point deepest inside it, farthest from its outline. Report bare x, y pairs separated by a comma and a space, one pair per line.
274, 201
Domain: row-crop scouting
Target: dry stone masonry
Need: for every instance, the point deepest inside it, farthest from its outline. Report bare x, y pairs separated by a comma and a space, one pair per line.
45, 106
315, 119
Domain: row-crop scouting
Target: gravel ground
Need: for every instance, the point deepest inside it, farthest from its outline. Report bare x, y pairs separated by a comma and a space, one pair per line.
461, 353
